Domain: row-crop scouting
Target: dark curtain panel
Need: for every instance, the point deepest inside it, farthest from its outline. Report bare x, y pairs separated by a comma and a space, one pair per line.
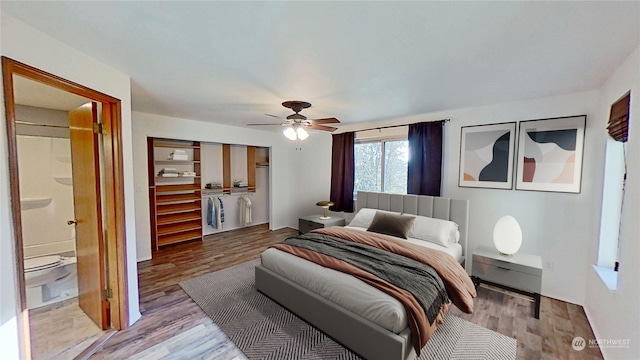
342, 172
425, 158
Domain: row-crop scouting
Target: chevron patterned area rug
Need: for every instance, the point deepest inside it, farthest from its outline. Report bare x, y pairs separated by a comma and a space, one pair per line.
262, 329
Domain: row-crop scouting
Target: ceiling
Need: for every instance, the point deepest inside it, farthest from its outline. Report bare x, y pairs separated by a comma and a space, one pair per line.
33, 93
232, 62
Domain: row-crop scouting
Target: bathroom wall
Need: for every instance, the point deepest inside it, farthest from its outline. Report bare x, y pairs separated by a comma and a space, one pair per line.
46, 195
32, 114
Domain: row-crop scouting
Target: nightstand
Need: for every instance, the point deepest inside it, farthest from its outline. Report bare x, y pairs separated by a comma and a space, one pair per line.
521, 272
308, 223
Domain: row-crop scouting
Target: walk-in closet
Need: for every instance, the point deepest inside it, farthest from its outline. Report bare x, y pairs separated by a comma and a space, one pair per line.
200, 189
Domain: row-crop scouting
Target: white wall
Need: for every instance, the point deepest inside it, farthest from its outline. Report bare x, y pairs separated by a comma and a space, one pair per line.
25, 44
312, 174
294, 187
557, 226
615, 315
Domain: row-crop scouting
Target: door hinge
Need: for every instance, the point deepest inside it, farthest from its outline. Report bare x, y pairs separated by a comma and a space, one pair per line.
98, 129
107, 294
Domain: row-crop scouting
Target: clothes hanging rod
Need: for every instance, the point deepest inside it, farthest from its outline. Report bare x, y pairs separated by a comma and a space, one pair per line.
250, 193
30, 123
392, 126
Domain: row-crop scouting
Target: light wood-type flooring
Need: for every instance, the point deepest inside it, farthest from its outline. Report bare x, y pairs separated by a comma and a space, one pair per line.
60, 331
173, 326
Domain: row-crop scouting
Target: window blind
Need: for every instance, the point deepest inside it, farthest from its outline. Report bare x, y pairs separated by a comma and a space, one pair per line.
618, 126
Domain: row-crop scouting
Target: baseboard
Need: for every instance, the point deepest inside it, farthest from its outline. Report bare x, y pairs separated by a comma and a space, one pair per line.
144, 259
561, 299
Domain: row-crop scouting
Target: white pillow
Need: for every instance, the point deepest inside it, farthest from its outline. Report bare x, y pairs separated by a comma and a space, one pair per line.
437, 231
364, 217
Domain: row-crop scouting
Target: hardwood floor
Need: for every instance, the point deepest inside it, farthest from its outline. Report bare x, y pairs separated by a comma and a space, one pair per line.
168, 313
546, 338
173, 326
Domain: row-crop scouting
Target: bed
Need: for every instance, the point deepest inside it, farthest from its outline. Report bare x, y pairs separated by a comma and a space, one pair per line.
372, 330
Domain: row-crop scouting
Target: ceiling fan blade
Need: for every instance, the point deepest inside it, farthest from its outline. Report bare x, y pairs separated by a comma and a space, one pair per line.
322, 127
277, 117
325, 121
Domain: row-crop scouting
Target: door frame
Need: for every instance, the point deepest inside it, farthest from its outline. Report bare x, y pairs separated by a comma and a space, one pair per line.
114, 227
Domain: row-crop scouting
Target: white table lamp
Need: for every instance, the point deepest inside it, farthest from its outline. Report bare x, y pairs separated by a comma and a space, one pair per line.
507, 235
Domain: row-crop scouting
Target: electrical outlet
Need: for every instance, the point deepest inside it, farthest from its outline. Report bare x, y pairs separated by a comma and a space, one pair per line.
548, 265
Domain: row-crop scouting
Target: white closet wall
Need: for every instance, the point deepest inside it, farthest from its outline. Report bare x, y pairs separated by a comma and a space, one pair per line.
238, 163
211, 163
260, 210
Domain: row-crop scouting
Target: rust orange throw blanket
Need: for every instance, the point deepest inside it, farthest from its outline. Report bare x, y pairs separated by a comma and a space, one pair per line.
459, 287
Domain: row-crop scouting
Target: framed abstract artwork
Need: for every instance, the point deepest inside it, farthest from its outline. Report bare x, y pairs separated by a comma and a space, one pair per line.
550, 154
486, 156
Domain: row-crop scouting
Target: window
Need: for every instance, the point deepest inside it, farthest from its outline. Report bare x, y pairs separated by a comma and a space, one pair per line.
613, 192
381, 166
612, 198
396, 157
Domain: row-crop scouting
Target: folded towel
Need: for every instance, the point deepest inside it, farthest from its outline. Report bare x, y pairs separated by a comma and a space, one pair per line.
168, 172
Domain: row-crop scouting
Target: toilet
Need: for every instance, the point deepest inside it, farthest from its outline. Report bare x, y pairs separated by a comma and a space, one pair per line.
50, 279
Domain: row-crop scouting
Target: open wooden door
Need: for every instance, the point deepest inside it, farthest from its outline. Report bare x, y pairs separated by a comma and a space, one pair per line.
85, 160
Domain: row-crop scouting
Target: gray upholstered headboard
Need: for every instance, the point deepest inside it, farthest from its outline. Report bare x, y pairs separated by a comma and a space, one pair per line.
430, 206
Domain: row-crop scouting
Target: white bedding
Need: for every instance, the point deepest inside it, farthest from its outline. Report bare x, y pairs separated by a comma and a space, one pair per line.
345, 290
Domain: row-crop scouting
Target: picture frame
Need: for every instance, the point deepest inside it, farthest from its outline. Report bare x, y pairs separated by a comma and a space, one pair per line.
487, 155
550, 154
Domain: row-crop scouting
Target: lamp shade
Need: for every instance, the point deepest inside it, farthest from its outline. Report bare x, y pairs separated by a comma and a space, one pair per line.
302, 133
507, 235
290, 133
325, 205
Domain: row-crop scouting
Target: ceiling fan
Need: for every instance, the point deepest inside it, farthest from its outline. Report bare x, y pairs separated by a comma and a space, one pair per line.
296, 123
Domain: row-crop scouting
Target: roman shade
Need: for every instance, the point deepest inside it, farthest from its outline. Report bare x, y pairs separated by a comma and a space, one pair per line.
618, 126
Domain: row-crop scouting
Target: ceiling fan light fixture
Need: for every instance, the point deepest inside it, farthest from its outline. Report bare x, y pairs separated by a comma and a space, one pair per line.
290, 133
296, 123
302, 133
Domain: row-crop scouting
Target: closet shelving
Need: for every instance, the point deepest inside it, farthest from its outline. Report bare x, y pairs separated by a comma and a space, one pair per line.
227, 185
175, 201
226, 169
262, 157
251, 168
